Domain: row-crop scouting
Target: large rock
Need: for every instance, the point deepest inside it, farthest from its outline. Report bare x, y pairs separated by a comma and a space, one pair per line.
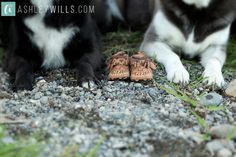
211, 99
231, 90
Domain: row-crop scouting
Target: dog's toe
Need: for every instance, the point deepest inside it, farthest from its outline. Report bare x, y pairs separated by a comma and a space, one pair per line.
25, 86
23, 83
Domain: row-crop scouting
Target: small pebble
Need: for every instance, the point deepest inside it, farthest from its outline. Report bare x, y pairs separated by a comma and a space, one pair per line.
214, 146
222, 131
44, 100
138, 85
37, 96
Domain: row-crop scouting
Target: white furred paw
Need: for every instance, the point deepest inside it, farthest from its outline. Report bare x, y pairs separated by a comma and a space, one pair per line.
178, 74
214, 77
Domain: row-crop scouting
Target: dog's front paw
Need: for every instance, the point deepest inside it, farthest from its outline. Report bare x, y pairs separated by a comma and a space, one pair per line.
23, 83
214, 77
86, 79
89, 85
178, 74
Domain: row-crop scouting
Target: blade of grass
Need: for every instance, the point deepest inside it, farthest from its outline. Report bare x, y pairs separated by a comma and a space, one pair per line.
93, 152
200, 120
181, 95
215, 108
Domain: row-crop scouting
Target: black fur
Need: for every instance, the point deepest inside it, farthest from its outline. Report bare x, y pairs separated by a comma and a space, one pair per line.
24, 57
233, 29
137, 14
104, 18
218, 15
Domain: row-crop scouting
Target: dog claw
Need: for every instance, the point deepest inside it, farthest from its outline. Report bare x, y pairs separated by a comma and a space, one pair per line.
89, 85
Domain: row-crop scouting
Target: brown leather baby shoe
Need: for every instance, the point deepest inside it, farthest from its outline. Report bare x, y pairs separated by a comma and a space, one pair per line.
119, 66
141, 67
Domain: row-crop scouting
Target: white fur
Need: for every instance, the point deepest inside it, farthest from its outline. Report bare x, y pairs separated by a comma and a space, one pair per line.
213, 60
198, 3
51, 42
213, 57
115, 11
42, 5
163, 53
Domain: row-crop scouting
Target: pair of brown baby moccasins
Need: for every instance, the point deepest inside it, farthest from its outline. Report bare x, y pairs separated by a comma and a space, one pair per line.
137, 67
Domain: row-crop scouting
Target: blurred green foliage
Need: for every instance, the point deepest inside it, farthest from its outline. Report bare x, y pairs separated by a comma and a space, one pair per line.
18, 147
231, 56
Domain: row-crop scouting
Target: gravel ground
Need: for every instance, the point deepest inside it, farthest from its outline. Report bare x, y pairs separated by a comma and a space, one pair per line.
135, 119
132, 119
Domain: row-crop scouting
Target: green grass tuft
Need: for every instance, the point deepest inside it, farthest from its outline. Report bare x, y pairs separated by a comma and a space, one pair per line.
94, 151
127, 41
175, 90
19, 147
31, 147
